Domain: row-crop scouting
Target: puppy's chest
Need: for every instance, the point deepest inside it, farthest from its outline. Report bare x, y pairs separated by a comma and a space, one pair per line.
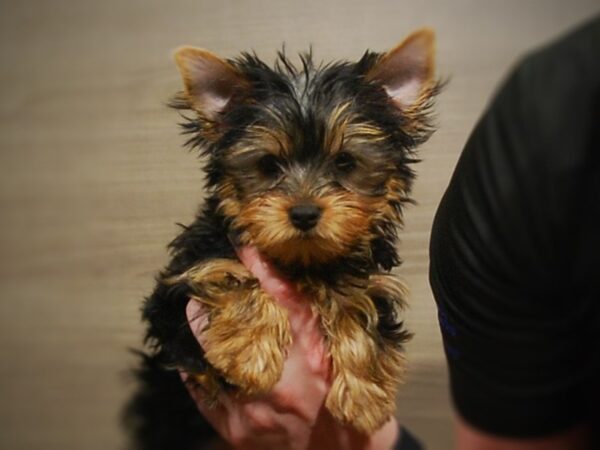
348, 297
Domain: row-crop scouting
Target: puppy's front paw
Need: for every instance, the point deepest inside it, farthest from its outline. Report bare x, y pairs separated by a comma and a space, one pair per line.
247, 331
367, 360
360, 403
246, 340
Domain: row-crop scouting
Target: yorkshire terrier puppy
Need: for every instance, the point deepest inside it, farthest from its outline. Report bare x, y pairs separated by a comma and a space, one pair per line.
311, 165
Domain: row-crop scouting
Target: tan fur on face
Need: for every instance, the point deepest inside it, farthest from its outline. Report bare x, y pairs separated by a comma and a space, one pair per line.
342, 127
395, 191
229, 204
257, 137
345, 221
336, 127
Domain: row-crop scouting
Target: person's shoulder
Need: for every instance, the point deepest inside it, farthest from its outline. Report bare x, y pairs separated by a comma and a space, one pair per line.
549, 101
519, 177
575, 53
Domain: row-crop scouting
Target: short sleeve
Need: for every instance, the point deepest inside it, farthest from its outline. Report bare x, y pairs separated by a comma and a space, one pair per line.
514, 263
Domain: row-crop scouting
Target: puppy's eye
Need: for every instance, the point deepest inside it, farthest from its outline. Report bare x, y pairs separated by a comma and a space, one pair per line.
345, 162
269, 166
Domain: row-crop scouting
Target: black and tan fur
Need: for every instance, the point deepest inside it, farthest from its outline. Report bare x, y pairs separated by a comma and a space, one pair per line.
338, 138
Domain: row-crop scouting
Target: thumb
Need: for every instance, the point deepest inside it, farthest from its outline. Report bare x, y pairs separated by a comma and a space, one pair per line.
271, 281
197, 317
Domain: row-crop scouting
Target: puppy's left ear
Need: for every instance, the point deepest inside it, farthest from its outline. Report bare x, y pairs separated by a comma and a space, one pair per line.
407, 72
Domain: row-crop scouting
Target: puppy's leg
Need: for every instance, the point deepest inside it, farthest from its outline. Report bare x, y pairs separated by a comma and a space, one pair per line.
365, 342
247, 330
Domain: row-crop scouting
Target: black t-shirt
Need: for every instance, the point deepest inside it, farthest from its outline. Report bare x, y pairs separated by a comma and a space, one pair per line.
515, 249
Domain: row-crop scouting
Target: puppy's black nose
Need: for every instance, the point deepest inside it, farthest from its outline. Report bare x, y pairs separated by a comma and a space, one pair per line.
304, 216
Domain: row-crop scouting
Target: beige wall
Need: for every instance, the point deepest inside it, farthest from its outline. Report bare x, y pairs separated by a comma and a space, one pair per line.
93, 178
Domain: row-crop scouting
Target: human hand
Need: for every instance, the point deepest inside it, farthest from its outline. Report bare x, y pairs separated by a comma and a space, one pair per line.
292, 416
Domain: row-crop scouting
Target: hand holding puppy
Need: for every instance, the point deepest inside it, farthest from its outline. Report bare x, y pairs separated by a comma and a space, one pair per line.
292, 415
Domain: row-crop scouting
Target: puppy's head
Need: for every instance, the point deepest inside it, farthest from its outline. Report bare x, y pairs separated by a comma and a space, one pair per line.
311, 164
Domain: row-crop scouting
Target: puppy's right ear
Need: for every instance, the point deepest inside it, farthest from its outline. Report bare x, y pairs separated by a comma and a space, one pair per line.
209, 82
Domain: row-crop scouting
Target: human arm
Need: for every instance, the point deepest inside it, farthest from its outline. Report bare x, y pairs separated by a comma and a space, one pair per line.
514, 249
468, 437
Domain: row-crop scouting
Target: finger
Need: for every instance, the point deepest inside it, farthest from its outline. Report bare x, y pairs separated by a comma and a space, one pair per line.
238, 419
304, 322
197, 318
217, 414
271, 281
